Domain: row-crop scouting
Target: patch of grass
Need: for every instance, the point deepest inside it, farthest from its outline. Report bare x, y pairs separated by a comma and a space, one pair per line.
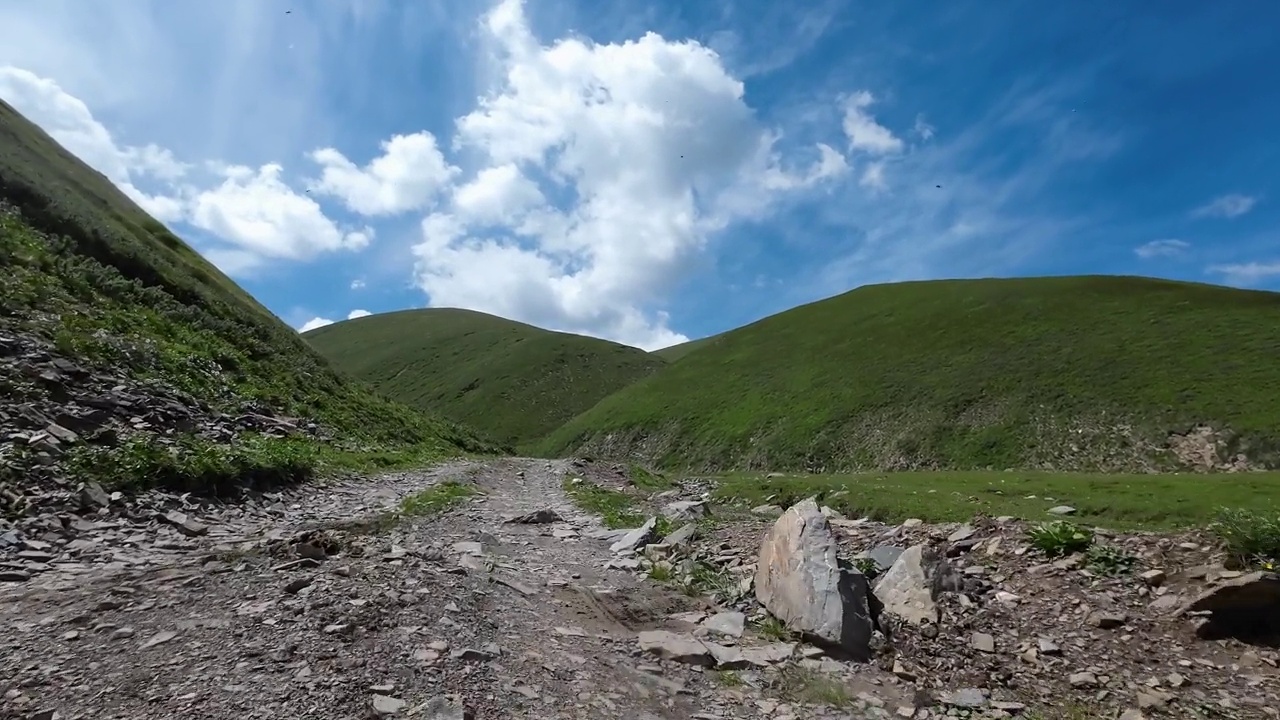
616, 509
704, 578
190, 463
1252, 536
645, 479
728, 678
109, 288
513, 381
662, 572
1109, 560
774, 629
1059, 538
801, 685
438, 498
1079, 373
1116, 501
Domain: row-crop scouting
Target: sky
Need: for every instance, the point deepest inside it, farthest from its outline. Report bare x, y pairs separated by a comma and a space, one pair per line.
655, 173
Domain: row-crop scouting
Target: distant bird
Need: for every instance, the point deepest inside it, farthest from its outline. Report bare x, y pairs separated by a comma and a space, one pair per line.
937, 186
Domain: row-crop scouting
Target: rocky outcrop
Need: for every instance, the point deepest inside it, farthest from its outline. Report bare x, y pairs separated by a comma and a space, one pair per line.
800, 580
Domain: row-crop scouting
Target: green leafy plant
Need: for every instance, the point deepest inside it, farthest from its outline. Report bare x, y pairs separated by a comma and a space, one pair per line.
1060, 537
1109, 560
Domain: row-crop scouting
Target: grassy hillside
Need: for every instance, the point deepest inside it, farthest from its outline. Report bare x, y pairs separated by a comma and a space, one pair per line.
165, 370
1066, 373
513, 381
675, 352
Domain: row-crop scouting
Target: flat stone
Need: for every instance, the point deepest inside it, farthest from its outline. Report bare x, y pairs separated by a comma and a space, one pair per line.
537, 517
635, 538
676, 648
732, 624
1061, 510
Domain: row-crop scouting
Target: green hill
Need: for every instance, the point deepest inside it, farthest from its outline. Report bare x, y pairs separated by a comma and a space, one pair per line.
1068, 373
513, 381
675, 352
160, 368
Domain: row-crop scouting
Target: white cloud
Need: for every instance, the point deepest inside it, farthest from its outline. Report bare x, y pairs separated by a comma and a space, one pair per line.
1226, 206
1247, 274
1161, 248
863, 131
923, 129
68, 120
256, 211
408, 175
652, 145
358, 284
314, 323
319, 322
873, 176
497, 194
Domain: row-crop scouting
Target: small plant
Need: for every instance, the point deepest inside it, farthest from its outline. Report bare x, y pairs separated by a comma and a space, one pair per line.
437, 498
728, 678
706, 579
661, 571
1253, 538
867, 566
810, 687
773, 628
1059, 537
1109, 560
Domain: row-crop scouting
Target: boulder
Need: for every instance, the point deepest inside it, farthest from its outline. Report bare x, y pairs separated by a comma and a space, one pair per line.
802, 583
907, 589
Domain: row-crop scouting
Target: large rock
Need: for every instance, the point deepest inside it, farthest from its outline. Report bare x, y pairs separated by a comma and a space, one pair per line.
802, 583
1244, 607
908, 589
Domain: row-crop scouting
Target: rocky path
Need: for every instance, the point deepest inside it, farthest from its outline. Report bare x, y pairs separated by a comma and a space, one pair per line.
312, 604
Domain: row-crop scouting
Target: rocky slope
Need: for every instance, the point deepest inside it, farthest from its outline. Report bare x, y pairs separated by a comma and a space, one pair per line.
516, 604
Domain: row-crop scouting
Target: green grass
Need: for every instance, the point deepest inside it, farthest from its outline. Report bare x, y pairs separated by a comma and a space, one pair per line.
1069, 373
89, 274
616, 509
513, 381
437, 498
676, 352
1115, 501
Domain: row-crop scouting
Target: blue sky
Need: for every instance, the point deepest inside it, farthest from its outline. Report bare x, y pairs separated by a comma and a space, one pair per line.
667, 173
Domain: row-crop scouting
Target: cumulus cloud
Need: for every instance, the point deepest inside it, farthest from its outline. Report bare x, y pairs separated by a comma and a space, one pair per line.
408, 175
254, 212
264, 218
358, 314
862, 130
1247, 274
314, 324
68, 120
1161, 248
653, 146
1226, 206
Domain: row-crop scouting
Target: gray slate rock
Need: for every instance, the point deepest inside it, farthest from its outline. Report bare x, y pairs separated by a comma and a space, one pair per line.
802, 583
